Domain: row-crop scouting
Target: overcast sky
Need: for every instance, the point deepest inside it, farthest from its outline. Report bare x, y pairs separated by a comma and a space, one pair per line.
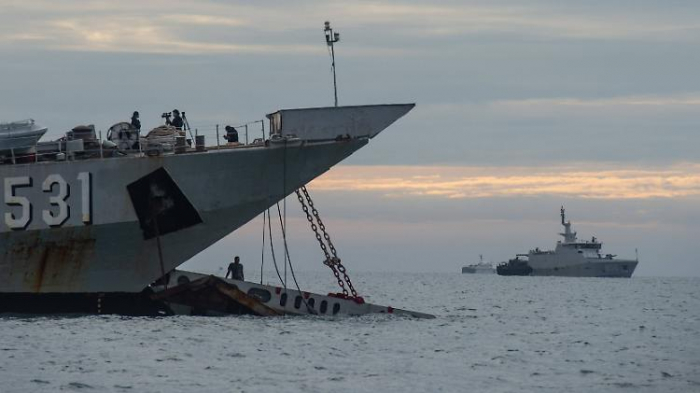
521, 107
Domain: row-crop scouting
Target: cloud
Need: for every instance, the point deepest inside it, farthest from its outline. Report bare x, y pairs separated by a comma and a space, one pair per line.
534, 107
196, 27
533, 20
679, 181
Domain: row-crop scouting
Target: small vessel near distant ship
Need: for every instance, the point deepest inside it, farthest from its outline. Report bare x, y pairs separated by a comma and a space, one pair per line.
479, 268
514, 267
570, 258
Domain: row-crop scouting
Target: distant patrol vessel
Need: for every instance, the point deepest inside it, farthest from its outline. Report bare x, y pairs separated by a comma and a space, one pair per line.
479, 268
570, 258
87, 224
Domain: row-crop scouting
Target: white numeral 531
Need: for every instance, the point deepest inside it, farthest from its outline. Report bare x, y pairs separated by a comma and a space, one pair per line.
60, 209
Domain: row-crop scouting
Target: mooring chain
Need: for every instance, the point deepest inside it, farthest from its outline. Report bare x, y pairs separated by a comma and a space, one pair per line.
342, 269
314, 211
328, 263
333, 261
313, 226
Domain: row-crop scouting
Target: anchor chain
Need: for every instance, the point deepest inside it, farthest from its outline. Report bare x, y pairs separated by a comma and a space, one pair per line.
332, 260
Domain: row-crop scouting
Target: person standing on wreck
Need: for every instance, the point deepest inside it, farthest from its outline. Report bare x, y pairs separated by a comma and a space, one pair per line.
235, 269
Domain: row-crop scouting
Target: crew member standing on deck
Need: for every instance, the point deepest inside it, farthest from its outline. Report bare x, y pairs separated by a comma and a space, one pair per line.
231, 135
135, 122
235, 269
176, 121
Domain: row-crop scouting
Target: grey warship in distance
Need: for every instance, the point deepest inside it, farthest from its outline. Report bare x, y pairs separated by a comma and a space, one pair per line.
87, 224
571, 258
479, 268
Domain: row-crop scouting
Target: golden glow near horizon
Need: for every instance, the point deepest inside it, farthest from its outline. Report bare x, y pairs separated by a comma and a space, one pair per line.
196, 27
678, 181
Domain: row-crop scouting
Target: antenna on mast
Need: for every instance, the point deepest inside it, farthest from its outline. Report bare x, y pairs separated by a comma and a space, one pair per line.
332, 38
569, 236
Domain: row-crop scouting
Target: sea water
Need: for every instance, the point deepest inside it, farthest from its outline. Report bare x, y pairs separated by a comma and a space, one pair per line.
491, 334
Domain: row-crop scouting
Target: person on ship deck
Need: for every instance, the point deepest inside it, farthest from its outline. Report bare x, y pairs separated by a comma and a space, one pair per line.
135, 122
176, 121
231, 135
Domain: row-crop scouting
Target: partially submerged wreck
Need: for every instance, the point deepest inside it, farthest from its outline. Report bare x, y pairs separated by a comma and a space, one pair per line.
199, 294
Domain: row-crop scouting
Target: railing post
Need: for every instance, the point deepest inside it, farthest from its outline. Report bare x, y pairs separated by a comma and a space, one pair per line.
246, 134
217, 137
262, 128
99, 140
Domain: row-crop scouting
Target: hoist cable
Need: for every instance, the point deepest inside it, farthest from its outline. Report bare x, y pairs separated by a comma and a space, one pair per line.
289, 260
272, 248
262, 251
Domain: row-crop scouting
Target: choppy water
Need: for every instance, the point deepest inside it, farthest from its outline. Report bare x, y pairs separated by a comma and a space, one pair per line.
492, 334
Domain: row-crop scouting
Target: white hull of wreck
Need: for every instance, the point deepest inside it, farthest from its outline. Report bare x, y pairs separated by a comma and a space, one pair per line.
285, 301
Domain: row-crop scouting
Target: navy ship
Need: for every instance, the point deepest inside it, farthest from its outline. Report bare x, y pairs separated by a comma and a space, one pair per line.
88, 222
479, 268
571, 258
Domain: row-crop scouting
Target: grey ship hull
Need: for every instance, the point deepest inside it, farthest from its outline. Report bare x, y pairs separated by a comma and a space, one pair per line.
105, 248
617, 268
477, 270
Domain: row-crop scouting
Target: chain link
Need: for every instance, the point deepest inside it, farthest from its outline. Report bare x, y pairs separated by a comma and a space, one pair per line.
332, 260
313, 225
321, 226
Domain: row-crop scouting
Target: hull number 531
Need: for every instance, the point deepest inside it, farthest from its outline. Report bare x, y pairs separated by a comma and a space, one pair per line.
58, 194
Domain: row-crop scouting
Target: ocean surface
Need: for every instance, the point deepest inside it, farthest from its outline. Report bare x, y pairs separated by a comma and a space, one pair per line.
491, 334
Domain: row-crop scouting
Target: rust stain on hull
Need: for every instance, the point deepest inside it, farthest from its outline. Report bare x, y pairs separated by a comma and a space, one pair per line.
52, 263
42, 268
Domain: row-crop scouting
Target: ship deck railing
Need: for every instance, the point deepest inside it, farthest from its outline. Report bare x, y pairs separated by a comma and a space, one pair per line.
249, 137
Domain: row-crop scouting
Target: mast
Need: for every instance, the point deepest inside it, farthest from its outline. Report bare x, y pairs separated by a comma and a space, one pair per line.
332, 38
569, 237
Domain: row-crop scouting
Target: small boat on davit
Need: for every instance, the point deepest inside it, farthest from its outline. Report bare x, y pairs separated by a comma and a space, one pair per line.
19, 137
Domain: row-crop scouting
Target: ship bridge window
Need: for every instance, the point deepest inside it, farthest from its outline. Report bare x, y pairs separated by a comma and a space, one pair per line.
261, 294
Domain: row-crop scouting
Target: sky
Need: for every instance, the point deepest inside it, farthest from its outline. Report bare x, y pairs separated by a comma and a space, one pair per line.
521, 107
